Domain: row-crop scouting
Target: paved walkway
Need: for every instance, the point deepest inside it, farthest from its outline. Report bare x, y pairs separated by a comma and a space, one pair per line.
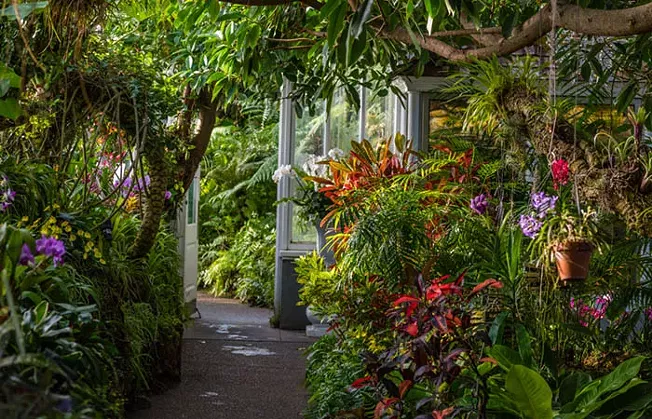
235, 366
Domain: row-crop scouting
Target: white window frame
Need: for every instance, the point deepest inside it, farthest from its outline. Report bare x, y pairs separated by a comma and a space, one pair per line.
410, 118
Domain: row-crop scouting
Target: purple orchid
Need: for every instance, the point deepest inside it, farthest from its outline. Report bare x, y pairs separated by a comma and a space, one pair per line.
49, 246
26, 256
479, 204
543, 204
530, 226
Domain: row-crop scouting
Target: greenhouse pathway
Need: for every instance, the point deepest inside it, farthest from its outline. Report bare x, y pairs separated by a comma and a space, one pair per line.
235, 366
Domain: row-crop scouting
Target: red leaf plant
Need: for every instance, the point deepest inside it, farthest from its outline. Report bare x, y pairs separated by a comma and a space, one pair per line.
438, 348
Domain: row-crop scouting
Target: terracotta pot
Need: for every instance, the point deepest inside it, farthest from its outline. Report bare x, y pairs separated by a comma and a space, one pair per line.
573, 260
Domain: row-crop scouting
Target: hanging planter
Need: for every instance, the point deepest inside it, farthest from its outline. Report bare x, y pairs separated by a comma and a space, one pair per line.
573, 259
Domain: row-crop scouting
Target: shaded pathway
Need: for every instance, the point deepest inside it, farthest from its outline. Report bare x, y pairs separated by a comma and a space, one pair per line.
235, 366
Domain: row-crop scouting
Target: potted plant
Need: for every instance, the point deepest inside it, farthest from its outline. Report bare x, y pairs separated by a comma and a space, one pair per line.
561, 234
572, 242
313, 205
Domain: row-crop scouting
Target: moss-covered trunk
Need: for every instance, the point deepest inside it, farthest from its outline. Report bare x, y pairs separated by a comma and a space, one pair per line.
154, 203
614, 187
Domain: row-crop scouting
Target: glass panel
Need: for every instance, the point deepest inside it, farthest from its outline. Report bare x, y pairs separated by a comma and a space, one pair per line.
345, 122
190, 205
443, 119
309, 137
380, 118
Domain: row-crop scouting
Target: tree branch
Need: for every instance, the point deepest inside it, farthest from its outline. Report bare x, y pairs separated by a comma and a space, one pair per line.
623, 22
200, 141
466, 31
488, 36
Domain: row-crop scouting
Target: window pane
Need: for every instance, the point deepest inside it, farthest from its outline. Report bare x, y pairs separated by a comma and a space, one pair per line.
345, 122
190, 206
309, 140
380, 118
444, 119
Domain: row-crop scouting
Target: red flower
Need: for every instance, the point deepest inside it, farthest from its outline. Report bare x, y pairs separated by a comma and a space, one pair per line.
560, 172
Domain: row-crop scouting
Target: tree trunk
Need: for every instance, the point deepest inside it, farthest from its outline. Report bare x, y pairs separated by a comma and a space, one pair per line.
154, 203
200, 141
612, 186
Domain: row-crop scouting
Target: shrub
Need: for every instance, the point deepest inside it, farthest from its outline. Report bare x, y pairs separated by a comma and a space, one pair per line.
334, 364
246, 269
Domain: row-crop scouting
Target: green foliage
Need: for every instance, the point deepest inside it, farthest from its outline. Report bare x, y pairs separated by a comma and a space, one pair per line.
238, 213
332, 366
237, 180
319, 286
95, 333
246, 268
526, 394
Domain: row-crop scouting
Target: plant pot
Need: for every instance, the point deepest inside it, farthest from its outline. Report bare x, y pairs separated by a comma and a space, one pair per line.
573, 259
312, 316
318, 328
322, 245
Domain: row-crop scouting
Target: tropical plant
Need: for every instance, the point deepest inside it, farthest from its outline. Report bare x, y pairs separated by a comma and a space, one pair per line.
246, 269
332, 365
319, 286
439, 344
523, 392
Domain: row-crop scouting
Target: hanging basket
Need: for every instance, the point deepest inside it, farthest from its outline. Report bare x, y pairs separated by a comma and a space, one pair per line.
573, 259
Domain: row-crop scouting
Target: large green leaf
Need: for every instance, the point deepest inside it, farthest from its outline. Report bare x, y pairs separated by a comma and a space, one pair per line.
24, 9
498, 328
529, 392
361, 17
356, 48
636, 398
9, 108
506, 357
584, 410
622, 374
524, 345
571, 385
10, 76
591, 397
336, 23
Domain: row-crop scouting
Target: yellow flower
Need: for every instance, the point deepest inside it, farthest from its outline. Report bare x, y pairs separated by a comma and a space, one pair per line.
25, 219
68, 229
87, 235
102, 261
52, 220
72, 237
85, 256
